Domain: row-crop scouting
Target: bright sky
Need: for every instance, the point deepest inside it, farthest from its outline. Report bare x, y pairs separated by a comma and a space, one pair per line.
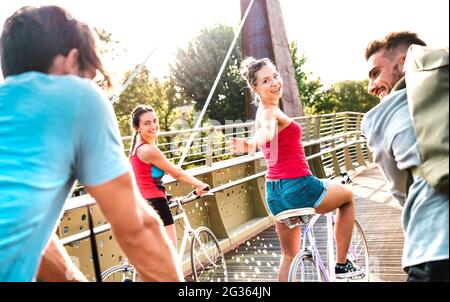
333, 34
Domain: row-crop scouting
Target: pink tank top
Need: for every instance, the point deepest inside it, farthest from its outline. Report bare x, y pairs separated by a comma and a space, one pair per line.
148, 177
285, 155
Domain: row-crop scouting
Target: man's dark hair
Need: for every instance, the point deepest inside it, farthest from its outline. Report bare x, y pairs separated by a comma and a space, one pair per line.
392, 41
33, 37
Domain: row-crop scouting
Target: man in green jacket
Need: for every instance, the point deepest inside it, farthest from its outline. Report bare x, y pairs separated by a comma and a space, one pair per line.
391, 137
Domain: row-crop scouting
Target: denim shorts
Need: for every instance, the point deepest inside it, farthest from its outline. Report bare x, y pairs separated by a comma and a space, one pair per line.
294, 193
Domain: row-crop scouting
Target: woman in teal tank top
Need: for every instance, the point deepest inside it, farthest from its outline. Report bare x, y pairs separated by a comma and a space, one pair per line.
150, 165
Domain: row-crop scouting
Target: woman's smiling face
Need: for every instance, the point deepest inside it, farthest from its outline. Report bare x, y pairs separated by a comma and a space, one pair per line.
268, 84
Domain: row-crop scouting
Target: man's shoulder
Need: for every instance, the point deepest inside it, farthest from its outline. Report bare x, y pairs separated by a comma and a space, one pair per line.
390, 108
50, 86
386, 119
39, 78
75, 85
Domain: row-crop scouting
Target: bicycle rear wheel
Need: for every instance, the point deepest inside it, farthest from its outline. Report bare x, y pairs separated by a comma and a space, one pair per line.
120, 273
358, 253
304, 269
207, 258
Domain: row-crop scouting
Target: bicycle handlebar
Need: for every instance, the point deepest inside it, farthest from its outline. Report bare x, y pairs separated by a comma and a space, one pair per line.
189, 197
206, 189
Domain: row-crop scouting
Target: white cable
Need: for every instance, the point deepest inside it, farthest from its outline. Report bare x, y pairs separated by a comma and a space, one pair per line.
134, 74
216, 82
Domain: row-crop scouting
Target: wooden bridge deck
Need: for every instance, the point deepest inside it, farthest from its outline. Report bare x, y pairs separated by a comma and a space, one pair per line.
257, 259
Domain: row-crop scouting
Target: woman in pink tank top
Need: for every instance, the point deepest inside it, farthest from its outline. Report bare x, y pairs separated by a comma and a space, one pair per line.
289, 183
149, 166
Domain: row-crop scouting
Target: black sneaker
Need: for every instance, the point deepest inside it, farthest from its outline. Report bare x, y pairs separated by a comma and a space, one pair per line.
348, 270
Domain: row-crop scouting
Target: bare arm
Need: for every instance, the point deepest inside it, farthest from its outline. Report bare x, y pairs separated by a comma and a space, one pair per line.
267, 130
151, 154
268, 121
56, 265
138, 229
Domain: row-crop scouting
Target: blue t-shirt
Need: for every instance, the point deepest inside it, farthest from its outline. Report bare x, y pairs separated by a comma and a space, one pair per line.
53, 130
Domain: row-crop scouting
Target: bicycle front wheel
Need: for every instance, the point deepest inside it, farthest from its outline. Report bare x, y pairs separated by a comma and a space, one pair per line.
358, 252
120, 273
207, 258
304, 269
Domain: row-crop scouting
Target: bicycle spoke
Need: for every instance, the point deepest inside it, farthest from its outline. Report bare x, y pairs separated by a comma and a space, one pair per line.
120, 273
208, 261
305, 269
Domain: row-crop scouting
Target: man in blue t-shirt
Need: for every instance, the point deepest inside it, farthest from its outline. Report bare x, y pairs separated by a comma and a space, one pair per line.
56, 126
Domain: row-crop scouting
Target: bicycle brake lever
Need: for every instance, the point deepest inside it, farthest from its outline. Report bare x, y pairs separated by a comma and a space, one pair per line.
206, 189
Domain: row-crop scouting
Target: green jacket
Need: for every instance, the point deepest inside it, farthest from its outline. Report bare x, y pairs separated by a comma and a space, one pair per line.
427, 85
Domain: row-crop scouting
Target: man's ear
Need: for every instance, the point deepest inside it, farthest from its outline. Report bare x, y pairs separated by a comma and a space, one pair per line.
401, 61
71, 62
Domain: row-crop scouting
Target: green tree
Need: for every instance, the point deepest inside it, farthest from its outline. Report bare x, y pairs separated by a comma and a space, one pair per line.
109, 45
342, 96
323, 102
353, 96
197, 66
147, 90
110, 49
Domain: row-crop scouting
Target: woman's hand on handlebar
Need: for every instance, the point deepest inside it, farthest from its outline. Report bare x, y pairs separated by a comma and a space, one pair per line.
202, 189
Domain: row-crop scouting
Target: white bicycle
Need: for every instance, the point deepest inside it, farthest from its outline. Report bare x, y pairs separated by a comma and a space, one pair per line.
206, 256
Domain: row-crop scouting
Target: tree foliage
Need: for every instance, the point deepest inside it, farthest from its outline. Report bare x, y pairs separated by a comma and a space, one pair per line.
342, 96
353, 96
147, 90
196, 69
109, 45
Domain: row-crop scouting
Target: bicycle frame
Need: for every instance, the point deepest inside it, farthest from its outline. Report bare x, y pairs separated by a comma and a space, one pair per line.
310, 252
309, 235
189, 234
189, 231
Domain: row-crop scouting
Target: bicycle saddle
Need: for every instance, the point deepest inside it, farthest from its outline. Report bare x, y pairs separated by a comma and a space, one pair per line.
294, 213
289, 217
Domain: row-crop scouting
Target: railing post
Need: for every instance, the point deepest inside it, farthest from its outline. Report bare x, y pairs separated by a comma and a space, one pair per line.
316, 164
307, 131
317, 127
209, 147
347, 158
334, 158
359, 153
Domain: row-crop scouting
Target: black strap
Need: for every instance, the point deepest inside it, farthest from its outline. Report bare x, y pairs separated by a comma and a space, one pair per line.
95, 258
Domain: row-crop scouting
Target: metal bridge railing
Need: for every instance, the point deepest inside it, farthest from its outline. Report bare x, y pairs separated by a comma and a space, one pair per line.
210, 143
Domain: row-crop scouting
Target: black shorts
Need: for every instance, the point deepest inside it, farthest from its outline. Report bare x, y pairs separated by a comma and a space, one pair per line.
162, 208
